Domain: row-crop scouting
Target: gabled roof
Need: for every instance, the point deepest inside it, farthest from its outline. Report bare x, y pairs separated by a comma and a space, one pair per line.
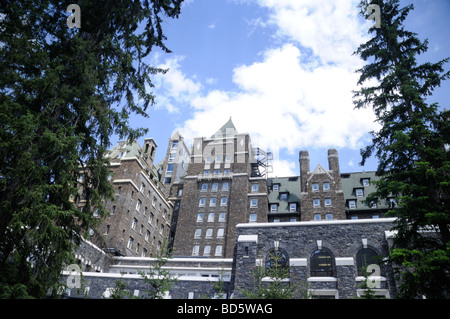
320, 170
228, 129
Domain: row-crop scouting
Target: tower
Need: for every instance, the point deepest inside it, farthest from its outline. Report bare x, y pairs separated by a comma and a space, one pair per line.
219, 192
321, 194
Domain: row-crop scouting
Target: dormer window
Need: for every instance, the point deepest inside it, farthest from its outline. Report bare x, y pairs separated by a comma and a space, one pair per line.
359, 192
276, 187
284, 196
352, 204
365, 181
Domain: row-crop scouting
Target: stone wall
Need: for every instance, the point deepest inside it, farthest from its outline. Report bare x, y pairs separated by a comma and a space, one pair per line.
343, 239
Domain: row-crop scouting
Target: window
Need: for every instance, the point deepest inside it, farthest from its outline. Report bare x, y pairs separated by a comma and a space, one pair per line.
172, 157
315, 187
365, 181
207, 250
292, 207
154, 201
255, 188
211, 217
209, 233
321, 264
218, 250
134, 223
276, 259
147, 235
327, 201
254, 202
138, 205
317, 217
316, 202
352, 204
220, 232
208, 160
170, 168
275, 187
284, 196
180, 192
204, 187
252, 218
273, 207
225, 186
212, 202
223, 201
174, 144
216, 172
142, 188
329, 216
198, 233
359, 192
326, 186
200, 217
218, 158
150, 218
293, 219
364, 258
206, 172
222, 217
227, 159
130, 242
161, 229
214, 187
202, 202
195, 250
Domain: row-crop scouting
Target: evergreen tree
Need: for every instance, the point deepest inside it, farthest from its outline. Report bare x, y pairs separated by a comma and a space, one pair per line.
412, 149
63, 93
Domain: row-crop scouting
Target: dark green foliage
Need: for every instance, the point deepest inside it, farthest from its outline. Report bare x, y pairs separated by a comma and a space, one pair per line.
63, 93
411, 145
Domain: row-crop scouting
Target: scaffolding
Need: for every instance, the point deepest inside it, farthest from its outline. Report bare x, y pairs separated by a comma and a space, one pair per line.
262, 164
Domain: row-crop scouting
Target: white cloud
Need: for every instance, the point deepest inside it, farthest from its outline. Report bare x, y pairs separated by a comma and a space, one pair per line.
174, 87
330, 28
290, 99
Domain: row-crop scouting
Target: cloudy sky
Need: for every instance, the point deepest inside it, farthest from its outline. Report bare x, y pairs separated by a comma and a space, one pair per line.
283, 70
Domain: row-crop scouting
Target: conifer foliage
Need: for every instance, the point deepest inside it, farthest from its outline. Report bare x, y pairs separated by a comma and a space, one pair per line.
63, 93
412, 148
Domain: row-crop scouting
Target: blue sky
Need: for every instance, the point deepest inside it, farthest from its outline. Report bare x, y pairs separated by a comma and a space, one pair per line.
283, 70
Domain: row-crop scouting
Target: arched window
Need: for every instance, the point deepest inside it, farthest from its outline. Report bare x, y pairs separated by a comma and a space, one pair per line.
276, 258
322, 264
364, 258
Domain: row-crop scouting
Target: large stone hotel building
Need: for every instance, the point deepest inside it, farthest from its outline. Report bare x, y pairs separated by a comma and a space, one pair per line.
215, 207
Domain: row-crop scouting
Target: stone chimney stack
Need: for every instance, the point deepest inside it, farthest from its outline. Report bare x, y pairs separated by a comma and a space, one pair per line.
304, 170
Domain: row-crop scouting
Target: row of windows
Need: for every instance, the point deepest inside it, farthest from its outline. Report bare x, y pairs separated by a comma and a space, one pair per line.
211, 217
209, 233
316, 202
137, 247
213, 201
322, 261
215, 187
207, 250
292, 207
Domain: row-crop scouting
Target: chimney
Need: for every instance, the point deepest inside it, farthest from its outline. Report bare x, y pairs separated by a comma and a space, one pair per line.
304, 169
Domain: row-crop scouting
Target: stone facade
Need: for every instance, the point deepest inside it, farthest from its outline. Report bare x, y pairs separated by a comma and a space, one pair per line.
299, 241
321, 194
220, 190
139, 219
